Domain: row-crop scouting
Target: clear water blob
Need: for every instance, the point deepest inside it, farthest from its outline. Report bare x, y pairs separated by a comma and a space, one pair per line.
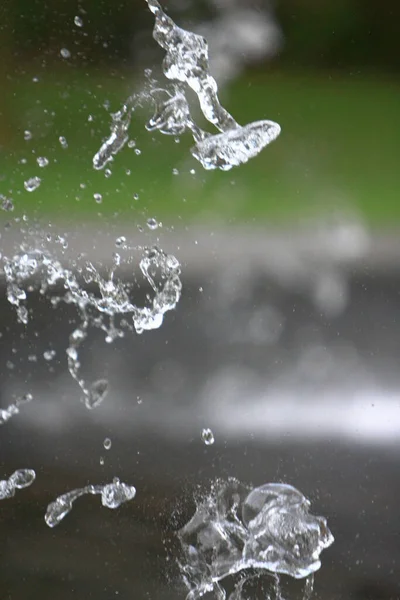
13, 409
236, 529
32, 184
152, 223
20, 479
27, 135
49, 354
65, 53
63, 142
97, 392
98, 197
42, 161
120, 242
6, 203
107, 443
112, 496
207, 436
78, 21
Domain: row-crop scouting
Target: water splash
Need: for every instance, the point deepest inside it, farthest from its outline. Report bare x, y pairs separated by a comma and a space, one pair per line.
186, 64
17, 481
13, 409
236, 528
97, 309
112, 496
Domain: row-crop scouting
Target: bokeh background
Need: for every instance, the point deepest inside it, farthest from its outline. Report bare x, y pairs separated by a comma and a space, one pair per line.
286, 340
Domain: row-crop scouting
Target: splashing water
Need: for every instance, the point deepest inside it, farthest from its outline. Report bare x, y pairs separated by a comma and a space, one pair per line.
13, 409
186, 64
268, 528
17, 481
96, 310
112, 496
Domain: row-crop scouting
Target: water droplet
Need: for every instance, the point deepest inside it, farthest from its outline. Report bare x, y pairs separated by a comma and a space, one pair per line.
116, 493
23, 478
120, 242
78, 21
49, 354
107, 173
63, 142
107, 443
98, 197
97, 392
131, 144
32, 184
207, 436
136, 196
175, 172
152, 224
101, 460
137, 151
42, 161
65, 53
27, 135
6, 204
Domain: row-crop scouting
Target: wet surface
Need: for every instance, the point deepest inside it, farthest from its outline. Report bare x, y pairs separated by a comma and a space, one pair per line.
292, 393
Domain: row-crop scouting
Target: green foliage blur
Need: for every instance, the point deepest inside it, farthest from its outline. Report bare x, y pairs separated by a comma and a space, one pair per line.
333, 87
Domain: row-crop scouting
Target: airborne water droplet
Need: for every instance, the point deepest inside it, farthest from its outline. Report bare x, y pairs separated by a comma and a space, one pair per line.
98, 197
152, 224
6, 204
120, 242
78, 21
49, 354
97, 392
32, 184
42, 161
207, 436
63, 142
65, 53
27, 135
107, 443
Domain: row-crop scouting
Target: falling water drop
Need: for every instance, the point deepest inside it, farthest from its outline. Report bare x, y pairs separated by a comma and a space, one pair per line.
6, 204
27, 135
96, 394
98, 197
207, 436
63, 142
42, 161
120, 242
49, 354
65, 53
152, 223
78, 21
32, 184
107, 443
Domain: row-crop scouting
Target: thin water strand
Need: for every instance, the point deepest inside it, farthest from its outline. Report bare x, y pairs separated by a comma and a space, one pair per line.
13, 409
20, 479
112, 496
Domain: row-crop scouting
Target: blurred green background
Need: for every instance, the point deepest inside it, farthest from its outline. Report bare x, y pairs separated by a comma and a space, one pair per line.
333, 86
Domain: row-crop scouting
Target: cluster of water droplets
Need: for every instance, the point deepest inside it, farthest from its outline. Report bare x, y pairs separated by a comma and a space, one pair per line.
13, 409
186, 64
99, 309
112, 496
17, 481
237, 528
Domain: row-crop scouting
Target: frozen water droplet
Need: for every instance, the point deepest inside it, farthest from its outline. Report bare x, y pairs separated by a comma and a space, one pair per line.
78, 21
152, 223
107, 443
207, 436
98, 197
65, 53
63, 142
6, 204
116, 493
42, 161
27, 135
96, 394
49, 354
32, 184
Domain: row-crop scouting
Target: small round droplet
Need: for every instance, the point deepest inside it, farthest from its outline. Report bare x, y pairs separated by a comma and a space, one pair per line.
120, 242
78, 21
136, 196
42, 161
49, 354
138, 152
131, 144
65, 53
98, 198
63, 142
101, 460
207, 436
175, 172
107, 443
107, 173
152, 224
27, 135
6, 204
32, 184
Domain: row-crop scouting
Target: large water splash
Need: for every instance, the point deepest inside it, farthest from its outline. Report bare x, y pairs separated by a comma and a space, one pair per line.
20, 479
237, 528
97, 309
112, 496
186, 64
